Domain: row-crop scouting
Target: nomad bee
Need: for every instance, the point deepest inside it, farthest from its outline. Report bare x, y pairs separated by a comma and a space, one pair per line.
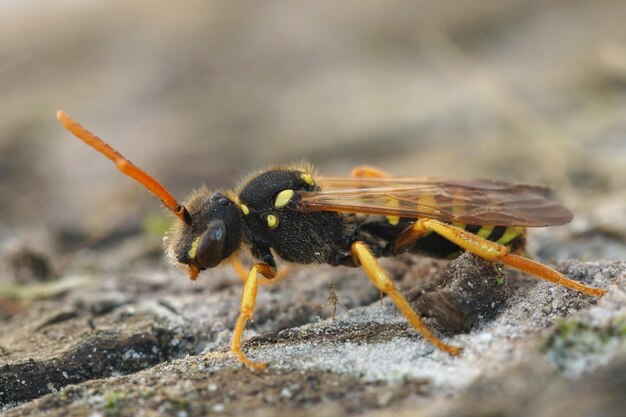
289, 212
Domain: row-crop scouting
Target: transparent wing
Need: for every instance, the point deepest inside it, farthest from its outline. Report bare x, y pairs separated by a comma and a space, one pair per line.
481, 202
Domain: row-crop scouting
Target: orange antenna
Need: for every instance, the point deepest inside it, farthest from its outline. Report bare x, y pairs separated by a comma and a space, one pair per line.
125, 166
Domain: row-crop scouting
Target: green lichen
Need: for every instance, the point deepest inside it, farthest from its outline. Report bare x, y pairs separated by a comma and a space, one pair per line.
175, 405
500, 280
575, 345
112, 401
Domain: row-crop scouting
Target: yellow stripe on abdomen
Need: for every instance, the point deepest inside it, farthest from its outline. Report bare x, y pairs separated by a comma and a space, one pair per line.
485, 231
505, 237
510, 234
393, 220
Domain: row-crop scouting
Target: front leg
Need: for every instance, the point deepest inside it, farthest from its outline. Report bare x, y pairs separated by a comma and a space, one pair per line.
248, 300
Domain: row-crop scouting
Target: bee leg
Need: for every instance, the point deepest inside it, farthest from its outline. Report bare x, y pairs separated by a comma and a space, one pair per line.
407, 238
240, 269
246, 310
365, 171
243, 273
493, 251
381, 280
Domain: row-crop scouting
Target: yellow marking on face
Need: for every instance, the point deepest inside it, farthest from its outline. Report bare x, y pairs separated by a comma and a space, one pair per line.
245, 209
283, 198
510, 233
194, 248
272, 221
485, 231
306, 177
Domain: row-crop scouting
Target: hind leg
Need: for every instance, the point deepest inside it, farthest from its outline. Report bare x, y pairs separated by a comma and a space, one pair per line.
491, 251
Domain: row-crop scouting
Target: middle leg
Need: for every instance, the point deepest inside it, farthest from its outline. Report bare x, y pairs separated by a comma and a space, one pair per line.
381, 280
243, 272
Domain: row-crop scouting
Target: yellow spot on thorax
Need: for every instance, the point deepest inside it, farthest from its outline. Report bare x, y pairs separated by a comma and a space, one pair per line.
306, 177
245, 209
272, 221
283, 198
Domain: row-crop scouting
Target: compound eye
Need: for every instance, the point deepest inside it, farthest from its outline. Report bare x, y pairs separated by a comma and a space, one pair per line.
210, 250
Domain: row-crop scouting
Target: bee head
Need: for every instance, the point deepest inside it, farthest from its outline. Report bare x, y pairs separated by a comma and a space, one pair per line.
213, 235
210, 225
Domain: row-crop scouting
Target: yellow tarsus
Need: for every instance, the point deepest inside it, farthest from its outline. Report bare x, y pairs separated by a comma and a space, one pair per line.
248, 300
493, 251
381, 280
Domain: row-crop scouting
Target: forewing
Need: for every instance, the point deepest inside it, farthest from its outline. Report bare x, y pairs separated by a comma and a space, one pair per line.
481, 202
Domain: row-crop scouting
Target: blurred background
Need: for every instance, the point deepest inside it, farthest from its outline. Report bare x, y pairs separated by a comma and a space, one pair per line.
205, 92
